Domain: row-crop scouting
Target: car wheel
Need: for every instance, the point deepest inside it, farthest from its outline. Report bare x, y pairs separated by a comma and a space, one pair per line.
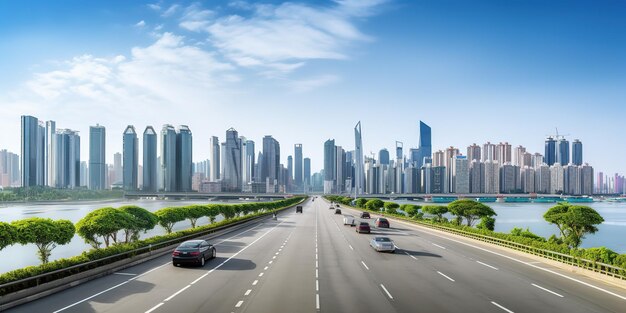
174, 264
202, 261
214, 253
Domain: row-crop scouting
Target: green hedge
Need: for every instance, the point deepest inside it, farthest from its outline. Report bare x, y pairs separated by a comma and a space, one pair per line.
97, 254
599, 254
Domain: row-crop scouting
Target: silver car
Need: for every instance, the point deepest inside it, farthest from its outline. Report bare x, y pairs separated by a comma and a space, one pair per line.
383, 244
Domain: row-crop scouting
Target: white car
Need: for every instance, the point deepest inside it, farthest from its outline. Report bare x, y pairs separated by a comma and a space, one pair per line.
383, 244
349, 220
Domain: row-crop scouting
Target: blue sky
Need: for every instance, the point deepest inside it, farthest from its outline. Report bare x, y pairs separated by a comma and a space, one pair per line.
475, 71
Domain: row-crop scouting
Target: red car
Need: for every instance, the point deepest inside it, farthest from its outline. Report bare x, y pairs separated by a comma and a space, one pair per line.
363, 227
381, 222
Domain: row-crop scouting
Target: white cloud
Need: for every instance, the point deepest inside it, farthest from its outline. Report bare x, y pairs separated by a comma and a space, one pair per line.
154, 6
140, 24
283, 37
171, 10
309, 84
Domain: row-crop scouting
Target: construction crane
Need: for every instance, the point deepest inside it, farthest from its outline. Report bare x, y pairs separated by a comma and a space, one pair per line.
558, 136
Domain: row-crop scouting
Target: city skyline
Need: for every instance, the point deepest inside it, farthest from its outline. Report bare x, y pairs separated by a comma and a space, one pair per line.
509, 85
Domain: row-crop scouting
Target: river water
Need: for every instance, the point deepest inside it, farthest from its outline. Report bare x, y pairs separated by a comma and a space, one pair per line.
611, 234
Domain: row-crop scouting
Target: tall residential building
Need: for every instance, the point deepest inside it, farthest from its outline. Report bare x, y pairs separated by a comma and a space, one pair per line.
32, 152
270, 169
492, 177
50, 154
577, 152
473, 153
527, 160
542, 179
289, 177
438, 179
330, 169
184, 158
508, 178
383, 156
307, 173
9, 168
168, 159
489, 152
298, 170
130, 148
460, 175
503, 153
550, 151
117, 169
425, 143
97, 158
359, 171
518, 156
231, 162
556, 179
67, 159
587, 180
412, 180
537, 160
451, 153
340, 161
84, 174
527, 177
214, 156
150, 165
477, 176
438, 159
562, 152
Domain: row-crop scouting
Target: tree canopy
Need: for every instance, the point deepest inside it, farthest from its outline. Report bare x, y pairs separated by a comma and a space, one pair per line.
170, 216
470, 210
143, 220
44, 233
105, 223
374, 204
8, 235
411, 210
391, 207
437, 210
573, 221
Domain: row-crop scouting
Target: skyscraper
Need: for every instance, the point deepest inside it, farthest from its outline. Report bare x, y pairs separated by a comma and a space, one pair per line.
477, 176
130, 150
231, 162
184, 160
97, 157
214, 156
117, 169
489, 152
247, 161
32, 152
425, 144
460, 175
577, 153
383, 156
271, 162
550, 154
358, 160
67, 159
298, 170
150, 160
50, 154
518, 156
473, 153
340, 155
503, 153
562, 152
168, 158
329, 165
307, 173
290, 167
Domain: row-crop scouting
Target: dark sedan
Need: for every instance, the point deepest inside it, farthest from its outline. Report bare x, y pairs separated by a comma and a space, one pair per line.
193, 252
363, 227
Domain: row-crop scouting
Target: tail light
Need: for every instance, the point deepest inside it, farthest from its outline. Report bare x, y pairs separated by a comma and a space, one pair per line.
195, 253
176, 253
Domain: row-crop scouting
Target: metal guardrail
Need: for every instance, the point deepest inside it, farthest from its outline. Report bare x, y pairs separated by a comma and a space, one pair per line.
598, 267
40, 279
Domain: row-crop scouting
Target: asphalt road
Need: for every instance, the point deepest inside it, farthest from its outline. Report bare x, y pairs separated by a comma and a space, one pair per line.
311, 262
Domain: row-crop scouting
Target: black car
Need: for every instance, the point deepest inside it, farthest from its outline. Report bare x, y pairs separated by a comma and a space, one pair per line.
337, 211
365, 215
337, 205
299, 209
193, 252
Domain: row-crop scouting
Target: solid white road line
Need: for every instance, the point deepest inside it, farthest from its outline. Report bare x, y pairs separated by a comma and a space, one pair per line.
155, 307
386, 291
487, 265
365, 265
503, 308
176, 293
444, 275
109, 289
239, 304
547, 290
247, 292
436, 245
531, 264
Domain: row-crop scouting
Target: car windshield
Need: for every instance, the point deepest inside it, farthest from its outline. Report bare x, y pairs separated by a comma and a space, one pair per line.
365, 224
383, 239
382, 219
194, 244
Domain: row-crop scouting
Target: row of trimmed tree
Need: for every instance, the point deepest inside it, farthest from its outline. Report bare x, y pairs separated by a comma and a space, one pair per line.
573, 221
110, 226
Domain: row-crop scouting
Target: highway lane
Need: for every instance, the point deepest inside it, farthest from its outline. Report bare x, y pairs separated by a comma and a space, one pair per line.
483, 276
